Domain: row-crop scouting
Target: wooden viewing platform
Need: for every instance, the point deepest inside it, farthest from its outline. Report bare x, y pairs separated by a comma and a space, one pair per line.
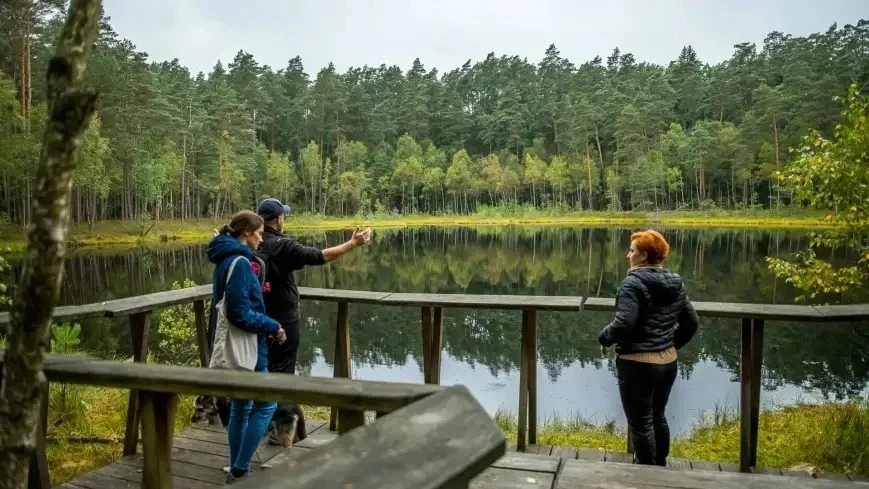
200, 453
151, 390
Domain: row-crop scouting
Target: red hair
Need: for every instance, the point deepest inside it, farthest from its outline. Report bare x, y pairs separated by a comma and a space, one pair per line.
652, 244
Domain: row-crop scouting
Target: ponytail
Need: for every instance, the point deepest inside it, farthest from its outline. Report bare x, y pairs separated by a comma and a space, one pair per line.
227, 229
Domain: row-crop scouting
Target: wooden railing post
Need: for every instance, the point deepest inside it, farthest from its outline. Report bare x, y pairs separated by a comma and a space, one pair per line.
140, 329
437, 336
432, 343
342, 356
527, 424
158, 424
201, 333
751, 346
756, 365
425, 330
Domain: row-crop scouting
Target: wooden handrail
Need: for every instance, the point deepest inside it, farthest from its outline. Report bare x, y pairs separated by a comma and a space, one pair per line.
441, 441
770, 312
140, 308
423, 424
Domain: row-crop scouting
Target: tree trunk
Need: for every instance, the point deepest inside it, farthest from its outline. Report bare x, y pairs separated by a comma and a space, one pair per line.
70, 108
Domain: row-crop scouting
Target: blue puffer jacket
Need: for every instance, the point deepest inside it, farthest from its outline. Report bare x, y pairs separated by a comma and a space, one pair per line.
244, 298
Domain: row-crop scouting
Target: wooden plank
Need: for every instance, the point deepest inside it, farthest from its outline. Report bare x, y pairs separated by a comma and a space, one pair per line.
315, 391
564, 452
443, 440
497, 478
843, 312
158, 300
354, 296
527, 462
591, 454
678, 463
130, 474
480, 301
65, 313
213, 474
619, 457
705, 465
220, 437
771, 312
158, 423
596, 475
97, 480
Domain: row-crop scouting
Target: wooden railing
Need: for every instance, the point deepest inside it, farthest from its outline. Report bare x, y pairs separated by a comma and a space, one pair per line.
458, 416
140, 308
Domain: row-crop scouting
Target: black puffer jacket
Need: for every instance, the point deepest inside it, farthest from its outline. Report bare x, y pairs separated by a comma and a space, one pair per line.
653, 313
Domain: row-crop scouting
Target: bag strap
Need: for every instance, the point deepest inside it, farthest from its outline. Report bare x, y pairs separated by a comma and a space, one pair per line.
231, 267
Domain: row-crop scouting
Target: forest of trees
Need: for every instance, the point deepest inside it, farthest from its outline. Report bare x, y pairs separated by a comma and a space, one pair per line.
604, 134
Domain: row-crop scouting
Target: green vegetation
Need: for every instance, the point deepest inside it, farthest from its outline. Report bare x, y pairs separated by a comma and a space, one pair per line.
831, 176
128, 233
831, 437
610, 133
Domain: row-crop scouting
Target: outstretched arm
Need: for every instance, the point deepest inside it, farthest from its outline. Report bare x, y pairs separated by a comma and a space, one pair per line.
358, 239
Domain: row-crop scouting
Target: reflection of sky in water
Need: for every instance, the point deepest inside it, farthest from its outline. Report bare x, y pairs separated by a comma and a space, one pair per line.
589, 392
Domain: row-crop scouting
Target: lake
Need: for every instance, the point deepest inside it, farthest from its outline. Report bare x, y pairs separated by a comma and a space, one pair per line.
802, 362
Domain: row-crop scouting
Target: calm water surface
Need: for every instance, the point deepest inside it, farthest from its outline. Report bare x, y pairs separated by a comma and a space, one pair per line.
802, 361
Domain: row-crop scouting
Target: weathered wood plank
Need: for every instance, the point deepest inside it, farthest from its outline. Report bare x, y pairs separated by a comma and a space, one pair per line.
771, 312
480, 301
425, 434
591, 454
211, 474
563, 452
619, 457
140, 333
596, 475
96, 480
354, 296
678, 463
158, 423
319, 391
498, 478
127, 473
65, 313
158, 300
527, 462
705, 465
843, 312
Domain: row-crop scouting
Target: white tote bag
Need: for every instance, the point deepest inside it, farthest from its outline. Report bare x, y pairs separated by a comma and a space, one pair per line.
234, 348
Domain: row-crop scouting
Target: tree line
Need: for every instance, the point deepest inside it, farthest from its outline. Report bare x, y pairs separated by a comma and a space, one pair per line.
605, 134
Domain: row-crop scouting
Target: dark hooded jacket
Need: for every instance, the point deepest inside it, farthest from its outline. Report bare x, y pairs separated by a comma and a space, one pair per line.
653, 313
244, 298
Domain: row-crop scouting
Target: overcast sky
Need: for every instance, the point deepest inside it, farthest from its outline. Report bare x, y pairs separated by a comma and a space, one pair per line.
446, 33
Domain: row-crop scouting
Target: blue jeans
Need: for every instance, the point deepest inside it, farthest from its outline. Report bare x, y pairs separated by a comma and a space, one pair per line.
248, 423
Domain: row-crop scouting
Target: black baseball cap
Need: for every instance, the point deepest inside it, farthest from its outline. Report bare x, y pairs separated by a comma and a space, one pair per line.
270, 209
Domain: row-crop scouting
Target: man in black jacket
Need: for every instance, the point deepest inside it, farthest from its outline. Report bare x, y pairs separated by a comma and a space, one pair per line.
286, 255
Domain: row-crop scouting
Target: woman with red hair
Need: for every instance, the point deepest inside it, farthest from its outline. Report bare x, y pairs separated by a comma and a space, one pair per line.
654, 318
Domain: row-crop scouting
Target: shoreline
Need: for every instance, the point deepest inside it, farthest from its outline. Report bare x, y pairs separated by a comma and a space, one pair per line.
117, 233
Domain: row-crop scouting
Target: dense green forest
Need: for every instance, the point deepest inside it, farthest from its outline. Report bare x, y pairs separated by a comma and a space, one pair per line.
609, 133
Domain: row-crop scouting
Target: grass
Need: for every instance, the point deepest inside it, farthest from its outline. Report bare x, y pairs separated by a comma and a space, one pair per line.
130, 232
833, 437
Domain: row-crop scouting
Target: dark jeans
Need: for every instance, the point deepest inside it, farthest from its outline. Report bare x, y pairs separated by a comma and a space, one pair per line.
645, 389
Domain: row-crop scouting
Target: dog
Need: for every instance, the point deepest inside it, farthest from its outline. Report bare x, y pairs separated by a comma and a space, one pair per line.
287, 425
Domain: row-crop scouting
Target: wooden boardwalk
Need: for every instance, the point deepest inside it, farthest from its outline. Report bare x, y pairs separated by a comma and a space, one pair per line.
201, 452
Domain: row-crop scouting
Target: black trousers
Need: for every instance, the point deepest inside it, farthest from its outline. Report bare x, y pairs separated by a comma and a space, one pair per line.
645, 389
282, 357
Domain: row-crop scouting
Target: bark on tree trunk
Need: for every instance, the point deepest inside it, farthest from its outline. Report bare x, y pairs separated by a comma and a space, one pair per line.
70, 108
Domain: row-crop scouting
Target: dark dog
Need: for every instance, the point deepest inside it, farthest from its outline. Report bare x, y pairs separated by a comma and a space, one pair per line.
287, 419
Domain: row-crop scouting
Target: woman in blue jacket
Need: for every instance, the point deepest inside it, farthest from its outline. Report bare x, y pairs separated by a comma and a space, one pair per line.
242, 296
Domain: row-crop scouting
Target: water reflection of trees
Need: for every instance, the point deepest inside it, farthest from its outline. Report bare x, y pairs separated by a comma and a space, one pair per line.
718, 265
